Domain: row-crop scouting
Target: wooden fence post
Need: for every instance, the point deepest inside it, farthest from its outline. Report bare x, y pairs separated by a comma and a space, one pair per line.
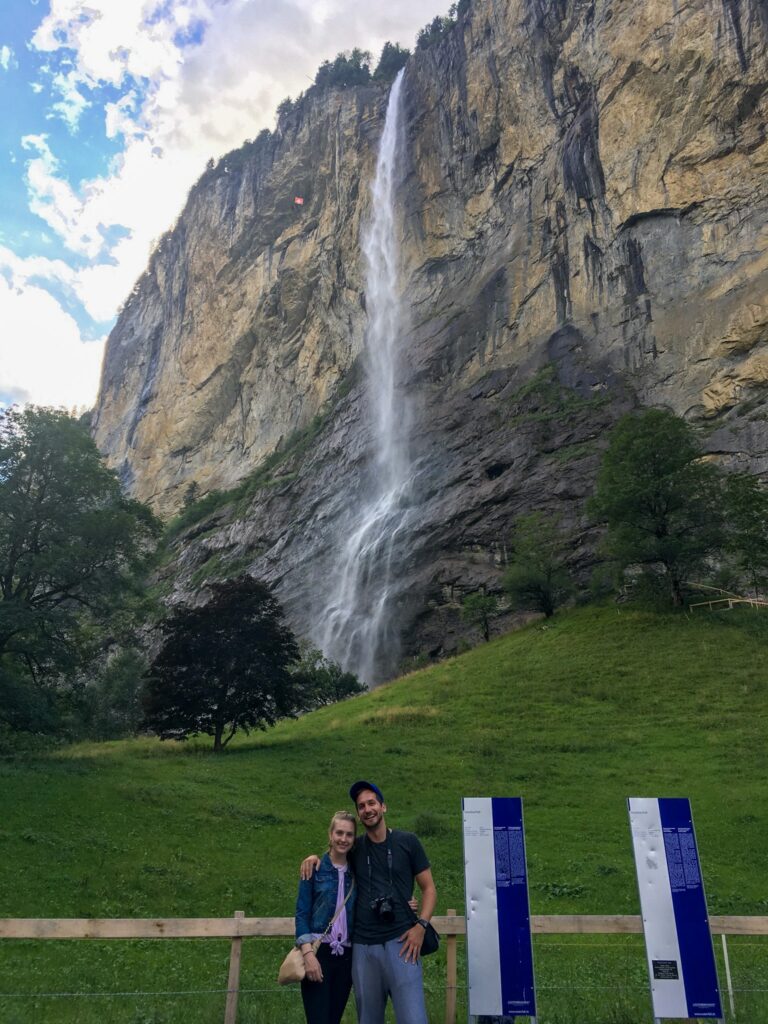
450, 972
233, 983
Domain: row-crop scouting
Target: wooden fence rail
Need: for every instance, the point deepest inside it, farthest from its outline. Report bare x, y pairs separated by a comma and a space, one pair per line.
240, 927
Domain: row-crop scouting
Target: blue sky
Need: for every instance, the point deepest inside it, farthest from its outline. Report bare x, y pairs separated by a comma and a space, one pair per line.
111, 109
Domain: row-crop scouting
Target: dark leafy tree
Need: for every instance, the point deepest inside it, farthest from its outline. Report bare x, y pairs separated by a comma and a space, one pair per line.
661, 501
223, 666
478, 609
113, 700
320, 681
746, 528
347, 69
537, 578
434, 31
71, 545
393, 58
284, 108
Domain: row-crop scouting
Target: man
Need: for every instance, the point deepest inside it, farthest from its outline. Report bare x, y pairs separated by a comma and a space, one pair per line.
386, 943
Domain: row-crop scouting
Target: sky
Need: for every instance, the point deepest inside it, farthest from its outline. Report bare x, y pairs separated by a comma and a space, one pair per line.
110, 111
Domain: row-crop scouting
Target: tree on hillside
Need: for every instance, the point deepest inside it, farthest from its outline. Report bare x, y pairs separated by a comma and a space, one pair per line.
320, 681
661, 501
746, 528
393, 58
223, 666
537, 578
70, 544
348, 68
478, 609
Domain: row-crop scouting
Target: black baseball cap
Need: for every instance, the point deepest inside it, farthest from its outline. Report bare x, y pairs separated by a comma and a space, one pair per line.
357, 787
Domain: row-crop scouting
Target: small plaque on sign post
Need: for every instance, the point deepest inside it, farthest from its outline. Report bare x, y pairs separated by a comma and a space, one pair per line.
665, 970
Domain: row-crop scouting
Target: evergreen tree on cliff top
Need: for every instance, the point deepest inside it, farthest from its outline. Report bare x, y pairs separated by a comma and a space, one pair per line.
70, 546
223, 666
662, 502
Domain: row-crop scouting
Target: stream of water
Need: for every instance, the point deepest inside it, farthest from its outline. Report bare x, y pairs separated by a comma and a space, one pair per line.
358, 627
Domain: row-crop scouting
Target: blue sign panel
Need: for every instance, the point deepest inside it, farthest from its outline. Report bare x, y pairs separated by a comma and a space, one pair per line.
702, 992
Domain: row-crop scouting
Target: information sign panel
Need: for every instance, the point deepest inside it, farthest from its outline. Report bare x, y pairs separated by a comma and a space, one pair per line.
499, 950
678, 943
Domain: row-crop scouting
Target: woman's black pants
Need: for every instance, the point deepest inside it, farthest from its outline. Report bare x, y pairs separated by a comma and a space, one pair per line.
324, 1001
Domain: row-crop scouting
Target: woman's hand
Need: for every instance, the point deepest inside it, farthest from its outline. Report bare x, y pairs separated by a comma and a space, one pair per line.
312, 966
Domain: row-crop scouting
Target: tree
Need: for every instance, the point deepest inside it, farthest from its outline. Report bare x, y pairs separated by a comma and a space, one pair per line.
223, 666
393, 58
114, 698
71, 545
537, 578
320, 681
348, 68
478, 609
746, 527
434, 31
661, 501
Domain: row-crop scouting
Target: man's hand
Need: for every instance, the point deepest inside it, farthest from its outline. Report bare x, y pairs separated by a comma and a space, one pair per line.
308, 867
411, 943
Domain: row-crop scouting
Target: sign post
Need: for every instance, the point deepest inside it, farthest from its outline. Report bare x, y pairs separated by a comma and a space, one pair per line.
678, 943
499, 948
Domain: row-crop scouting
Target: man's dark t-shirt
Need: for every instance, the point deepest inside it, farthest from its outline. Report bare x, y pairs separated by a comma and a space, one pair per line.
408, 860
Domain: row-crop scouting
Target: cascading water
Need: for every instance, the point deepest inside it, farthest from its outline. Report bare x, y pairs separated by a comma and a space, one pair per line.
356, 626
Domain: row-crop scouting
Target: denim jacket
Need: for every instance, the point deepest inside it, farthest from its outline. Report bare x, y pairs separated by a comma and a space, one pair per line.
316, 902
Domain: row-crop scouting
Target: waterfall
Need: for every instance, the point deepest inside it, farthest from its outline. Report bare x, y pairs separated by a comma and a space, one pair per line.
356, 626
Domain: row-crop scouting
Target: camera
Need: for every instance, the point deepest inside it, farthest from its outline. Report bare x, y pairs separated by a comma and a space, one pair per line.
384, 908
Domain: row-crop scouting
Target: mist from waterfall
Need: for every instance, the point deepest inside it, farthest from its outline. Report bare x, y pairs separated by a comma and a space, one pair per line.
356, 627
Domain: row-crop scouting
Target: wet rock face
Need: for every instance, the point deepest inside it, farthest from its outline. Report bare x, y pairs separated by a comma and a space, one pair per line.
584, 228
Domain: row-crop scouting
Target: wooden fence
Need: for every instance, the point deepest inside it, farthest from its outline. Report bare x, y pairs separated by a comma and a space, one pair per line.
241, 927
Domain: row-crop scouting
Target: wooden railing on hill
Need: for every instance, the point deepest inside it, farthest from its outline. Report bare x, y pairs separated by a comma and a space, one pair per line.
241, 927
730, 602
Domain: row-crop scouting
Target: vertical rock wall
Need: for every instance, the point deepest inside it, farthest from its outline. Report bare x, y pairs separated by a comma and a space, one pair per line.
584, 229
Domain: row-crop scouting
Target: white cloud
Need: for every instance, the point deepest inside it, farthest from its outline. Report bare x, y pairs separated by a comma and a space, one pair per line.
196, 77
6, 56
42, 357
72, 102
181, 104
54, 199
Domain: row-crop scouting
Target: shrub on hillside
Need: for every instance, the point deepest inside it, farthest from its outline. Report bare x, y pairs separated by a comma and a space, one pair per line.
478, 609
537, 578
320, 681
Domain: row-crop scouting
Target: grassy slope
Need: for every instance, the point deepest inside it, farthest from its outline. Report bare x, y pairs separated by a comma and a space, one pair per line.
574, 715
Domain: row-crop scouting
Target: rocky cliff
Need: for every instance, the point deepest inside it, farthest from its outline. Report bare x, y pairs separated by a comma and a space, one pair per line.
584, 219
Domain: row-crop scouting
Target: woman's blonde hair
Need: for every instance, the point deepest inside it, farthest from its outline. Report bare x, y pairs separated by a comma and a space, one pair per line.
343, 816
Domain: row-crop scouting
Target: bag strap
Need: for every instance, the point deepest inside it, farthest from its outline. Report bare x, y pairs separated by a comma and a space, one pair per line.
332, 922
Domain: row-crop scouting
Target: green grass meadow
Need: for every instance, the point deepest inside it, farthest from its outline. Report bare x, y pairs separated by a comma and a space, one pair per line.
574, 715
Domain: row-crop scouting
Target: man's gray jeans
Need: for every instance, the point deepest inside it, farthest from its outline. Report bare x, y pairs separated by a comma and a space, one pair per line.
378, 972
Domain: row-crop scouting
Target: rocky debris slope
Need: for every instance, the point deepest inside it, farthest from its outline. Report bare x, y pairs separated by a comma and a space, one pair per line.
584, 229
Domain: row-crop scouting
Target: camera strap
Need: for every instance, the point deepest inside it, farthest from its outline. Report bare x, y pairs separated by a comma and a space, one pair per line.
389, 861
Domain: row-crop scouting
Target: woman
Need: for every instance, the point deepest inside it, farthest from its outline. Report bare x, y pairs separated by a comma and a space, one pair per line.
325, 910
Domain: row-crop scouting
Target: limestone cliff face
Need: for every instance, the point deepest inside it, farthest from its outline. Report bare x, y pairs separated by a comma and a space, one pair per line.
250, 311
584, 229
